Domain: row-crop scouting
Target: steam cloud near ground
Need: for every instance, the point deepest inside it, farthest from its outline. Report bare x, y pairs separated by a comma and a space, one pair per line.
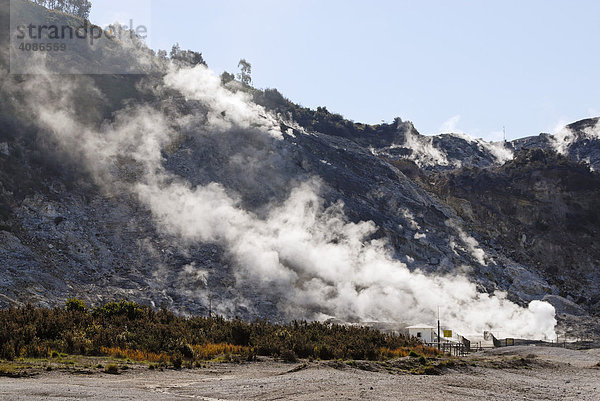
310, 257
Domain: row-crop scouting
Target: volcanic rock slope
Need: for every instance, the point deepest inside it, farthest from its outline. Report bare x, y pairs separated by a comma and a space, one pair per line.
521, 217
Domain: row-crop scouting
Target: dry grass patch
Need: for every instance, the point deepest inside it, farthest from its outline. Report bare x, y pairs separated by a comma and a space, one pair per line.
135, 355
209, 351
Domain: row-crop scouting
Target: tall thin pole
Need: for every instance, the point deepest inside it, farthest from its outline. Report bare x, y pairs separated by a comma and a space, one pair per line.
439, 347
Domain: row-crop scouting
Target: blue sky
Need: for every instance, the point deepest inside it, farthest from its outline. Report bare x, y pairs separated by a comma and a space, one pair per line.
463, 66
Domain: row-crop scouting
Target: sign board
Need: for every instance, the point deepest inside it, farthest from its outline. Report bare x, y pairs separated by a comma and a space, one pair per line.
447, 333
510, 341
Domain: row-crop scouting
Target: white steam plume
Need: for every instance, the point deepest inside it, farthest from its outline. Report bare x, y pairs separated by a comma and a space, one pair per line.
314, 261
424, 152
562, 140
497, 149
564, 137
501, 153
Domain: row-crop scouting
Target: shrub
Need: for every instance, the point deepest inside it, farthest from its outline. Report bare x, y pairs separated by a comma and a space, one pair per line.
288, 356
7, 351
36, 349
122, 308
112, 369
325, 353
127, 330
431, 370
177, 361
240, 333
251, 355
74, 304
372, 354
186, 351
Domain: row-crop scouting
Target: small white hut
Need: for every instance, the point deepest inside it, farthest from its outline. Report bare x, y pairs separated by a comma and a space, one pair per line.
423, 332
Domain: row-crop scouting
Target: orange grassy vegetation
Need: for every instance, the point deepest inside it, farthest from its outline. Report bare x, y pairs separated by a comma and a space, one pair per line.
207, 351
134, 354
423, 350
405, 351
394, 353
204, 351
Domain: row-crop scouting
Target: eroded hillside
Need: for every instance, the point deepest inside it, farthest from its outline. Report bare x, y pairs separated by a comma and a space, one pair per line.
179, 188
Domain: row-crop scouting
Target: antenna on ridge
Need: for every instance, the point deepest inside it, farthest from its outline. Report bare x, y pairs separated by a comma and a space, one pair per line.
504, 133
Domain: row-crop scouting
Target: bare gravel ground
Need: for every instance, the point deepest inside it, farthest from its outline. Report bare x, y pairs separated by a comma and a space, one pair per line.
514, 373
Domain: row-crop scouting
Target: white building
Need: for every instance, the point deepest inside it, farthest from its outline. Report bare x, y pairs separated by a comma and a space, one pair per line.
423, 332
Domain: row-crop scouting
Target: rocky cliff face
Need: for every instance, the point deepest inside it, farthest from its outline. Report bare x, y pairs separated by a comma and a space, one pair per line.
580, 141
542, 209
64, 237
